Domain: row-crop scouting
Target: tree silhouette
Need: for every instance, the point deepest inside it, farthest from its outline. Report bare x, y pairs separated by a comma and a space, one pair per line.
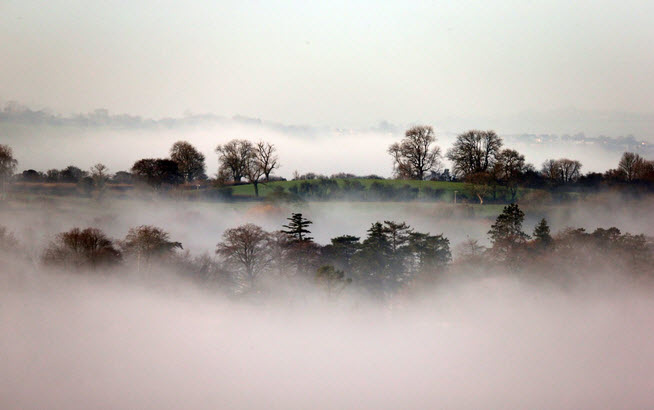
79, 248
297, 228
506, 233
474, 152
413, 157
190, 161
246, 249
542, 233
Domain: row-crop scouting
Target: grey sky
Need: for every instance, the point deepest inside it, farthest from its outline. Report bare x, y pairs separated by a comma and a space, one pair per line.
338, 63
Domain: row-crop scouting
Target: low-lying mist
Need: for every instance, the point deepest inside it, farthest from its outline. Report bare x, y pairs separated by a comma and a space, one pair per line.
199, 225
82, 341
124, 338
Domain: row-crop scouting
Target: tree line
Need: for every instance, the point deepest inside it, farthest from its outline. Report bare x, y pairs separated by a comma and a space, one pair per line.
478, 158
392, 258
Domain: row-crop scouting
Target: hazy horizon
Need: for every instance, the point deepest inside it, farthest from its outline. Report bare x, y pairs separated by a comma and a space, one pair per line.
43, 139
341, 65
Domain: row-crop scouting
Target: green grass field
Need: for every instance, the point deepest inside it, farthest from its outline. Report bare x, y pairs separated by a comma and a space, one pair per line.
265, 189
352, 189
428, 190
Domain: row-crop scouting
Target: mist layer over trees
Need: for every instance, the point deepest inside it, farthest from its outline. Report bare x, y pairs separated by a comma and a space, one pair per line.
162, 286
128, 315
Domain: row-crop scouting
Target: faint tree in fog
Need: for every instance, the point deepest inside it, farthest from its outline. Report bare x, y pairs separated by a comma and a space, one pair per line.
470, 250
31, 175
122, 177
190, 161
246, 249
156, 172
413, 157
147, 243
631, 166
8, 242
88, 248
341, 250
268, 160
71, 174
100, 176
279, 245
7, 162
332, 280
52, 175
474, 152
8, 165
233, 157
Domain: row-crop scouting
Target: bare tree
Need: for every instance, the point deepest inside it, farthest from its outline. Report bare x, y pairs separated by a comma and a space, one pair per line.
470, 249
509, 167
189, 160
7, 166
268, 160
100, 175
253, 171
413, 157
280, 248
474, 152
148, 242
550, 170
631, 166
82, 248
570, 170
562, 170
246, 249
234, 156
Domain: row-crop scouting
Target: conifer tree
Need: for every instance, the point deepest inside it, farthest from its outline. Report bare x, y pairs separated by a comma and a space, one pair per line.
542, 233
506, 233
297, 228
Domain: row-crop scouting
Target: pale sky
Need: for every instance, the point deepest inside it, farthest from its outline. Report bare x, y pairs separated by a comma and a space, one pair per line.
337, 63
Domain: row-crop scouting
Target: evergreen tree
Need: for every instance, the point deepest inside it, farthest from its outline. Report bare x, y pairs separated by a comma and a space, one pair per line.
341, 250
372, 261
397, 235
542, 233
297, 228
428, 251
506, 233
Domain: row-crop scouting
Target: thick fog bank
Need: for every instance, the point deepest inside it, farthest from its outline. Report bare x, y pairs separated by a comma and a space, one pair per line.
200, 225
80, 342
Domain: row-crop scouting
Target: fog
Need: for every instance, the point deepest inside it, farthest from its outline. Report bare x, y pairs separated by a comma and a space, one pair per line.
86, 342
199, 225
122, 340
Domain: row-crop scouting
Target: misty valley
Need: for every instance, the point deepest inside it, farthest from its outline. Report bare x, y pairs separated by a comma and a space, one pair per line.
489, 284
